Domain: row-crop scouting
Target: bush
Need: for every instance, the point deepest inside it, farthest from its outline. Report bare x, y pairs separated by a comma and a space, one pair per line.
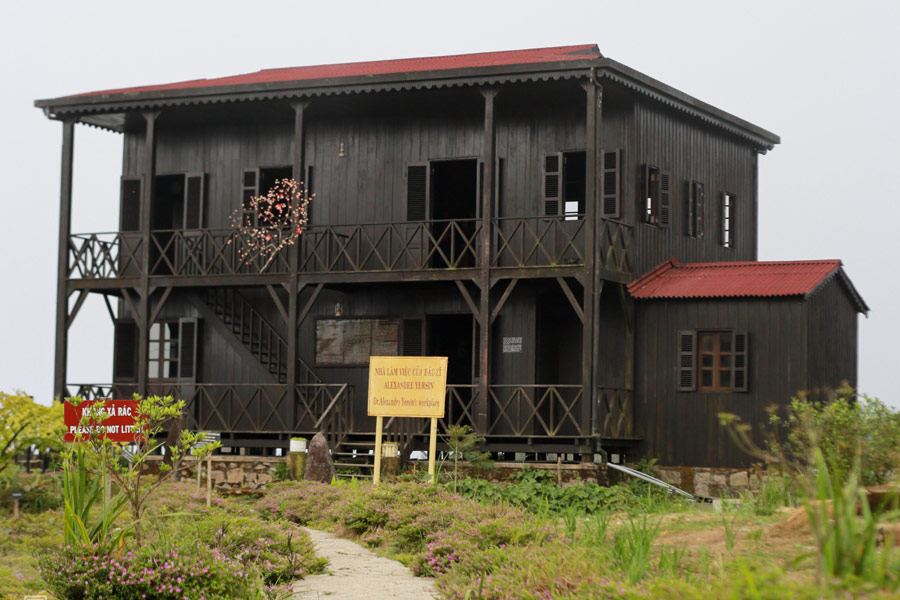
188, 572
280, 550
848, 426
538, 493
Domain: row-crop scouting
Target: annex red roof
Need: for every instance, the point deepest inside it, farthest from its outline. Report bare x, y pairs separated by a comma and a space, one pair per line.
380, 67
673, 279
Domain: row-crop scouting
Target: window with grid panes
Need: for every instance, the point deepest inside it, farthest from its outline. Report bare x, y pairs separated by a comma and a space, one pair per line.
163, 351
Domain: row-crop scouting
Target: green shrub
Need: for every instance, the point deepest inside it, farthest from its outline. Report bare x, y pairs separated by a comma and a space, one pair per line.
191, 571
281, 551
847, 427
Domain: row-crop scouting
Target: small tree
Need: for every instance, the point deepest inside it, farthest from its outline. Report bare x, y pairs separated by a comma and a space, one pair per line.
267, 224
130, 477
462, 442
24, 422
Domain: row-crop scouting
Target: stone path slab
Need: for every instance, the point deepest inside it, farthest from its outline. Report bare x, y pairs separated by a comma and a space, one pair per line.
355, 573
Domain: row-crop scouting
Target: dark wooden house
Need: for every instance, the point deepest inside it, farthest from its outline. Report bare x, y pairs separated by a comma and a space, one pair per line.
489, 207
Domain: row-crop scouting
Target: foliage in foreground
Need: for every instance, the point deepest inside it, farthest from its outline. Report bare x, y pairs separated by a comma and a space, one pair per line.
190, 571
498, 552
24, 422
848, 428
822, 447
538, 493
153, 415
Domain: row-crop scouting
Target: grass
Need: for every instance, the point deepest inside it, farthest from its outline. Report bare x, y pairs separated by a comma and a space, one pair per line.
490, 549
503, 545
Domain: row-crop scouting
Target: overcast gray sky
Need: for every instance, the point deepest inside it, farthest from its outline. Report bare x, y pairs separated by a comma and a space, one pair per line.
823, 75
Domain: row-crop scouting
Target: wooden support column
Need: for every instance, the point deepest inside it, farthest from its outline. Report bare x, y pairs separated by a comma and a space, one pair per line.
487, 183
62, 273
148, 170
591, 293
294, 263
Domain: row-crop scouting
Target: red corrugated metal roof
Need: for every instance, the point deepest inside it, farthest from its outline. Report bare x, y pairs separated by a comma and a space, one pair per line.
380, 67
673, 279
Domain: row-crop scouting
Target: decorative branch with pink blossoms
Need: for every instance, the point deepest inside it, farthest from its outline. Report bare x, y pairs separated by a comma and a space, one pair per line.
267, 224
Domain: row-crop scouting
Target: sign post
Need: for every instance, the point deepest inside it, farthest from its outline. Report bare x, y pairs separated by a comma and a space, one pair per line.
209, 437
407, 386
16, 496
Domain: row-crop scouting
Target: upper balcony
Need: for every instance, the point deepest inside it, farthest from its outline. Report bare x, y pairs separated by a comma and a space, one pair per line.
520, 247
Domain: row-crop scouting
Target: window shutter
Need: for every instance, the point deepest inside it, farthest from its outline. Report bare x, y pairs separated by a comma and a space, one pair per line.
739, 348
308, 186
665, 197
690, 197
611, 202
126, 351
552, 184
698, 210
130, 204
476, 350
249, 189
498, 175
194, 192
413, 342
417, 192
187, 351
687, 357
647, 208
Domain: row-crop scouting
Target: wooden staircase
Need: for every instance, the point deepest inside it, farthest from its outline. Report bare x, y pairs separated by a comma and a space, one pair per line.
256, 334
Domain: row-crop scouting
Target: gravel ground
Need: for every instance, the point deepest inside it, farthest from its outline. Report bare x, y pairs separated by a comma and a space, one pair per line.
355, 573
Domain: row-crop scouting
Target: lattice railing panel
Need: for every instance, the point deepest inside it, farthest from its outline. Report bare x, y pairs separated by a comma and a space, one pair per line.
615, 413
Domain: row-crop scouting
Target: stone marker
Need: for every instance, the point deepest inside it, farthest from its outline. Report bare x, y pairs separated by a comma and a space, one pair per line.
319, 466
296, 465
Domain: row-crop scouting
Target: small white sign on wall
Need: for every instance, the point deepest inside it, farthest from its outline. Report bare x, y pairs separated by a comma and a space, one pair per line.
512, 345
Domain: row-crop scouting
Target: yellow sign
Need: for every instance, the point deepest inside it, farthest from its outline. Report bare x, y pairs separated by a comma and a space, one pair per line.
407, 386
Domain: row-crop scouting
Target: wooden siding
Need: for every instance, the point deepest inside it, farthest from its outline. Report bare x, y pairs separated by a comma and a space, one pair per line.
832, 337
681, 428
367, 185
650, 133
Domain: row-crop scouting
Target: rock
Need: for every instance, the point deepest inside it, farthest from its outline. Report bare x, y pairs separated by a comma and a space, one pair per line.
669, 476
739, 479
235, 476
319, 466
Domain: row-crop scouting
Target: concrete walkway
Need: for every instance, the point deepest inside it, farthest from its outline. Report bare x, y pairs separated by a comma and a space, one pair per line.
355, 573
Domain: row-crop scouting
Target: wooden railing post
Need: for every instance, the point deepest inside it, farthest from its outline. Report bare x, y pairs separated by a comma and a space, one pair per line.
62, 292
487, 184
149, 171
293, 267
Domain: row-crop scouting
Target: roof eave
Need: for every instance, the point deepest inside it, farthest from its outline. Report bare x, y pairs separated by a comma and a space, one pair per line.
316, 86
667, 94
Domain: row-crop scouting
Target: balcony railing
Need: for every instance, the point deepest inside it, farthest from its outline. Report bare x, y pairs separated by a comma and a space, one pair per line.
376, 247
411, 246
531, 410
247, 407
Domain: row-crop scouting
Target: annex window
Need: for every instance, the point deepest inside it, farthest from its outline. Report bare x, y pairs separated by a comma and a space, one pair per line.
350, 342
657, 197
695, 197
564, 185
712, 361
727, 211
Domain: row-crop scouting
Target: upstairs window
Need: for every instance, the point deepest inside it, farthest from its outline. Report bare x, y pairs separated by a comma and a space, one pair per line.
657, 196
727, 211
712, 361
695, 196
163, 351
564, 185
